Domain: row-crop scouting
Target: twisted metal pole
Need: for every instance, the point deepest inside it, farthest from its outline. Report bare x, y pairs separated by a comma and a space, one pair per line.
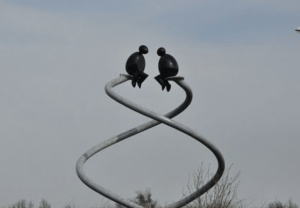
157, 119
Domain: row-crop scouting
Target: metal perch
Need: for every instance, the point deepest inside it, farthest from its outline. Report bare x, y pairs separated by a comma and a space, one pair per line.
157, 119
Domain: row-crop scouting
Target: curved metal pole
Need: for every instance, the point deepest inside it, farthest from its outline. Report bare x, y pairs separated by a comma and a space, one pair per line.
120, 137
157, 120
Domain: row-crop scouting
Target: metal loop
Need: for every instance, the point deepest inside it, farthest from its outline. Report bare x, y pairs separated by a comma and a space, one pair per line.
157, 119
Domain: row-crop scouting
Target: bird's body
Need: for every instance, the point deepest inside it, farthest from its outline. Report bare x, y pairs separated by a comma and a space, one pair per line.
167, 66
135, 66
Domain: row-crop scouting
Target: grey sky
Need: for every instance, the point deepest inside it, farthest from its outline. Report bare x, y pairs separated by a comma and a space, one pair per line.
241, 58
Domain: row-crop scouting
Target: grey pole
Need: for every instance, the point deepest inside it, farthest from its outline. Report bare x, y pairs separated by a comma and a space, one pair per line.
157, 119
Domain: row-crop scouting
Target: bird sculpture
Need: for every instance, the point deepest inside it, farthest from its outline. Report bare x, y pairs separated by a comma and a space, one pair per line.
135, 66
168, 67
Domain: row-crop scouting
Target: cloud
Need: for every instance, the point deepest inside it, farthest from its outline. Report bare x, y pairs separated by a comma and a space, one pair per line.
55, 63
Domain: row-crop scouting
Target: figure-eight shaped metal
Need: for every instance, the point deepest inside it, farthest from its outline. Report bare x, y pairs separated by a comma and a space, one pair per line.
157, 119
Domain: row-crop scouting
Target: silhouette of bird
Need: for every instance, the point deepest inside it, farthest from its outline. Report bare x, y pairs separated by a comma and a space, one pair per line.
135, 66
167, 66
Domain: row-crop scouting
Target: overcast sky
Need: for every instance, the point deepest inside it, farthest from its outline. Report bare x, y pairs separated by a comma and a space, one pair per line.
241, 59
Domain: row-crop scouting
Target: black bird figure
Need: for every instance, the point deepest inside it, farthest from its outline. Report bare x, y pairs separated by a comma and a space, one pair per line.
135, 66
167, 66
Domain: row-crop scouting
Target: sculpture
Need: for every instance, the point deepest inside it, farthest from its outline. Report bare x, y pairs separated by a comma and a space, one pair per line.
167, 74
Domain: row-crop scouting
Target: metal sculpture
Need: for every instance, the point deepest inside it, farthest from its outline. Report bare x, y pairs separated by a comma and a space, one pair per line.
168, 68
135, 66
